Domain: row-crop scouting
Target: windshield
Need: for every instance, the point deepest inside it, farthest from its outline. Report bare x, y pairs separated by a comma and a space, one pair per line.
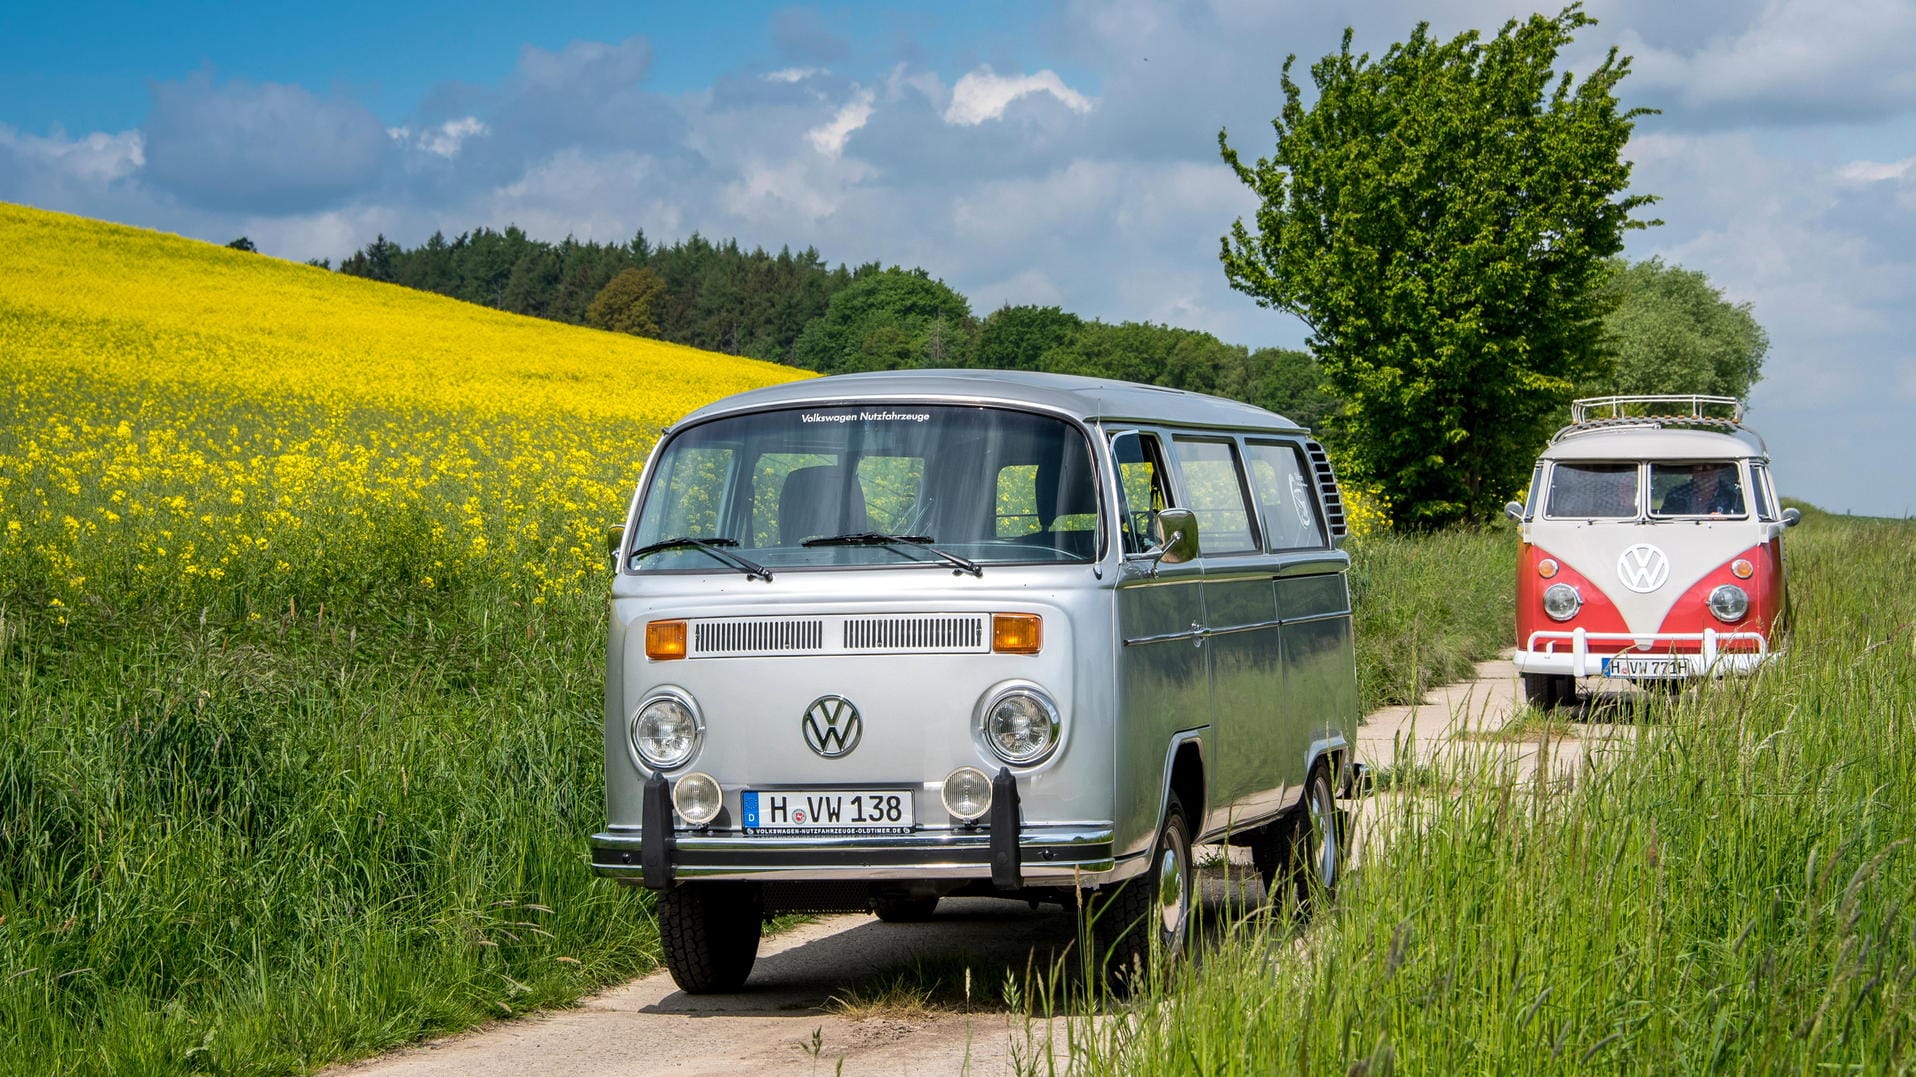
1696, 488
1594, 491
891, 485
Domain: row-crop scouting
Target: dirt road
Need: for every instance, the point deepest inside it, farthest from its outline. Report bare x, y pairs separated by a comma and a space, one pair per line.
787, 1019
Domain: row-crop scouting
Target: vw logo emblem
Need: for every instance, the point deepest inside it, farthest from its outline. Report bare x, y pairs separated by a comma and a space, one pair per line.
1643, 568
832, 726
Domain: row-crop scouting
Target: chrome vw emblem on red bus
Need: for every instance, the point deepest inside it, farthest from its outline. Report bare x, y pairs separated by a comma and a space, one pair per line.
1643, 568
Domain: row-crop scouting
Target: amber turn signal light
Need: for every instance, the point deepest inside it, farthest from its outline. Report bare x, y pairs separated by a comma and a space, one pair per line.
1741, 568
664, 639
1546, 568
1016, 633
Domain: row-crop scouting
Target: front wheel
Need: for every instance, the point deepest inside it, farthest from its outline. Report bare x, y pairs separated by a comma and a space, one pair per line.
1547, 691
709, 933
1141, 925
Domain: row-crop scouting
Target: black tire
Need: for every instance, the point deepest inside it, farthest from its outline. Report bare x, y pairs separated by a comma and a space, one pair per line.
1547, 691
905, 910
1316, 860
709, 933
1141, 925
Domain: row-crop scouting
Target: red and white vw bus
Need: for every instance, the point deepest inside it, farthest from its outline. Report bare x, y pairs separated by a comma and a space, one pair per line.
1652, 547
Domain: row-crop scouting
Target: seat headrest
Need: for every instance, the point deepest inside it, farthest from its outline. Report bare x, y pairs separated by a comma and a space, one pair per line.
816, 502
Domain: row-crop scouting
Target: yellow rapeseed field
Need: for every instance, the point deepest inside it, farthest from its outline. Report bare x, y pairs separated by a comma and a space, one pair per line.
180, 418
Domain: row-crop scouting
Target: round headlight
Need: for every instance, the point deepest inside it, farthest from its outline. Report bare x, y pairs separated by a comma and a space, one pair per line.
967, 793
1561, 601
1020, 726
1729, 602
666, 731
696, 797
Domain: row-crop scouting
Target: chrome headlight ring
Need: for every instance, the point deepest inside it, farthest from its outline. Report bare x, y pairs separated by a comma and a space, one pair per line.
1729, 602
666, 730
1561, 601
1018, 723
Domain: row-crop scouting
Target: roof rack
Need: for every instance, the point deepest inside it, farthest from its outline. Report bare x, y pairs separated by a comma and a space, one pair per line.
1689, 406
1688, 410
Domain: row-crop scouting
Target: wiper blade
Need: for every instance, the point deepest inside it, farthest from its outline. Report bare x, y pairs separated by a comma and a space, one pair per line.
713, 546
916, 542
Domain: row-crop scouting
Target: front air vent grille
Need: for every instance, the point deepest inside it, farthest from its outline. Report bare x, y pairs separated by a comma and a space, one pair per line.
907, 633
919, 634
758, 636
1327, 485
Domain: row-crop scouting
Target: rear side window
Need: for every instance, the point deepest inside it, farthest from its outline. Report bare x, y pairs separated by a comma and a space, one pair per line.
1282, 484
1214, 485
1593, 491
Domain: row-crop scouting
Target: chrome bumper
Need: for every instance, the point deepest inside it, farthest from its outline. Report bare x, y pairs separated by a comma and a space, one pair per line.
1048, 855
1569, 651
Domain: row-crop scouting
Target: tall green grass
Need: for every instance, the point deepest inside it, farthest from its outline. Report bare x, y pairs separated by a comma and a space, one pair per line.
1736, 894
236, 845
1429, 607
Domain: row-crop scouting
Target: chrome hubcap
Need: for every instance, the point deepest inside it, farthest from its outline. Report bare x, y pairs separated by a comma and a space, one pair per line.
1324, 833
1173, 900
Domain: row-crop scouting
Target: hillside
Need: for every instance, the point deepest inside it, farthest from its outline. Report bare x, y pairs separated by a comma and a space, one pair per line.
92, 296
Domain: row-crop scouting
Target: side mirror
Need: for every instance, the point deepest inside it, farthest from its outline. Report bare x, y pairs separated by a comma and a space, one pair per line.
1792, 517
1177, 535
614, 538
1514, 510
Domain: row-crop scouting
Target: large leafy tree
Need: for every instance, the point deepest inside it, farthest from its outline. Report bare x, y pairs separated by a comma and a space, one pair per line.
1440, 219
888, 320
1671, 331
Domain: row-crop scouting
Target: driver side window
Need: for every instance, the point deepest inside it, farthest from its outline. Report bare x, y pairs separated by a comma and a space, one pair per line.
1143, 487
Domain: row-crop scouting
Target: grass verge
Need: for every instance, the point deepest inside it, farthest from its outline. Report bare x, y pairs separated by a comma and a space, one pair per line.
1732, 896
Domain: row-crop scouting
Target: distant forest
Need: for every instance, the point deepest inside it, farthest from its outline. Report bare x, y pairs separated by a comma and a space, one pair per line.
798, 310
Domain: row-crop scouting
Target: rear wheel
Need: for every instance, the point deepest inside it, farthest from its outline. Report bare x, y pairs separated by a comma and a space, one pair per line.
1141, 925
1317, 843
1546, 691
709, 933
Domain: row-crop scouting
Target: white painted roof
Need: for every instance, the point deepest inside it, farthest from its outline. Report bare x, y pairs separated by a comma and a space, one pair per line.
1653, 443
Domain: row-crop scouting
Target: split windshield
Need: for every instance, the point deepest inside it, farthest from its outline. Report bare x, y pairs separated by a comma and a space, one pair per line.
868, 486
1614, 491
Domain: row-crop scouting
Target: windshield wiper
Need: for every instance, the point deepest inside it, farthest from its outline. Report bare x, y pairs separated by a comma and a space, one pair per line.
711, 546
916, 542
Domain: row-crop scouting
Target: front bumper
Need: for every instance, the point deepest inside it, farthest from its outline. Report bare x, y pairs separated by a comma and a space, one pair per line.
1569, 652
1047, 855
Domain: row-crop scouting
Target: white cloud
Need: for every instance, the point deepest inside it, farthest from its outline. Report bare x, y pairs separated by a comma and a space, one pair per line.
829, 138
1861, 172
1796, 60
983, 94
96, 159
442, 140
794, 74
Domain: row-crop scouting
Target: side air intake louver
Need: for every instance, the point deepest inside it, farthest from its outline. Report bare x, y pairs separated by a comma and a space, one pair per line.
1327, 484
935, 633
753, 636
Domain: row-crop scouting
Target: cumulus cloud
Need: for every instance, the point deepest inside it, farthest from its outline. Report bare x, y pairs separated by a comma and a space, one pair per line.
829, 138
261, 147
92, 160
983, 94
1795, 61
441, 140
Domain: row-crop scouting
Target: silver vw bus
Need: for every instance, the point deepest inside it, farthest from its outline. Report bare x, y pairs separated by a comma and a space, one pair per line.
879, 639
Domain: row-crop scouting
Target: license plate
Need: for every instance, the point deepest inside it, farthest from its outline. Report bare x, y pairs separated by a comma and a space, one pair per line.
826, 811
1663, 666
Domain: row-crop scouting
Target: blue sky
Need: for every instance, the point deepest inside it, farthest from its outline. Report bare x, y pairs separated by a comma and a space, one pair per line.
1024, 152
